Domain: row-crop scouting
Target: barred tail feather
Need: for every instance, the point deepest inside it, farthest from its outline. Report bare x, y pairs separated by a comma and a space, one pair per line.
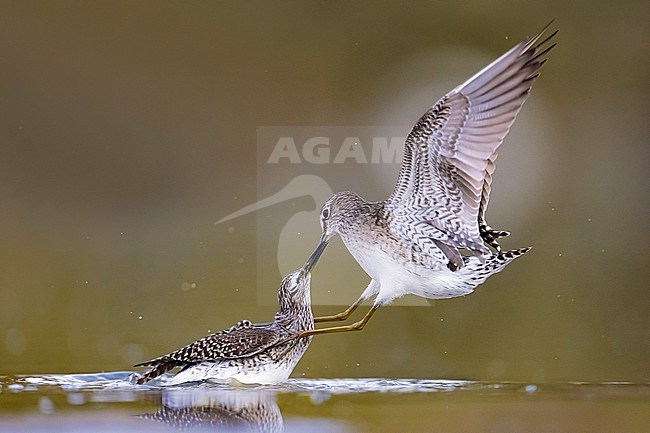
491, 236
478, 272
463, 281
159, 367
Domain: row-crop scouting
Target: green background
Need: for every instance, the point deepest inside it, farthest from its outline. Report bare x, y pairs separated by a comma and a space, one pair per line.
128, 128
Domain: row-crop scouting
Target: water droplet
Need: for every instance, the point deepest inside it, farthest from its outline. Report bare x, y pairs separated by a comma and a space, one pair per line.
530, 388
76, 398
45, 405
139, 317
319, 397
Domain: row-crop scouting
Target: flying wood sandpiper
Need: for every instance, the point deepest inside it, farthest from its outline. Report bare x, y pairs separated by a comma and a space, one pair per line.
412, 243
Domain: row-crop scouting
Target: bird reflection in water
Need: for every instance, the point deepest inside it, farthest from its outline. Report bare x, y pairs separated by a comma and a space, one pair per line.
245, 410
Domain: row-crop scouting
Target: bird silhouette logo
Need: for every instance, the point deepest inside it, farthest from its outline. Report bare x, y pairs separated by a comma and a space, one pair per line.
296, 220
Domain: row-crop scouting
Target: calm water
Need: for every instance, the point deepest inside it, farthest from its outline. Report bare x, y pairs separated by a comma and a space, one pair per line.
108, 402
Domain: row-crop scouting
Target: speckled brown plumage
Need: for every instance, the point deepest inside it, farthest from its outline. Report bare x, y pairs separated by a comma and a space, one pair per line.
249, 345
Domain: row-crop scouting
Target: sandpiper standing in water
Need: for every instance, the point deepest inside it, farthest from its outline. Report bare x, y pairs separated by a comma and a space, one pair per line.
411, 243
264, 353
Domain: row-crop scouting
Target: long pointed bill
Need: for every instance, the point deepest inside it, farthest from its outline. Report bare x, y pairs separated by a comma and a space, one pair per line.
311, 261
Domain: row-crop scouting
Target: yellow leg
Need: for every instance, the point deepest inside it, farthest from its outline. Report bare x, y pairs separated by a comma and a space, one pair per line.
341, 316
357, 326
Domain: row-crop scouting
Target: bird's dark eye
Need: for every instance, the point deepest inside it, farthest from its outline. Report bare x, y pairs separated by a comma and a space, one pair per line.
326, 213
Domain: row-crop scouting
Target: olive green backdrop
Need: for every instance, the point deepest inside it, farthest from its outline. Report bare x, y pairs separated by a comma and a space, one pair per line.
128, 128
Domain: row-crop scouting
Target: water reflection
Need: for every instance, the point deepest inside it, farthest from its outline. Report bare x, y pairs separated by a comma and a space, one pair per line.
246, 410
107, 402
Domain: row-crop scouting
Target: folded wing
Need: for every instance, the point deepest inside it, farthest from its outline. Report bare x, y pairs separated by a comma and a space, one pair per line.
242, 340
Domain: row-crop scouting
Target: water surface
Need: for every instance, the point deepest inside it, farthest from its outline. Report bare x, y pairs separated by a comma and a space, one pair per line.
109, 402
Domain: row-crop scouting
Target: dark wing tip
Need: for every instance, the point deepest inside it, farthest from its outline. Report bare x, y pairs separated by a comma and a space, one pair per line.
538, 49
531, 41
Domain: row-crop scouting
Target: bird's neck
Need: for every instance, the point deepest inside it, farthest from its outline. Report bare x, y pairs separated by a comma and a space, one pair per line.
297, 317
362, 216
289, 303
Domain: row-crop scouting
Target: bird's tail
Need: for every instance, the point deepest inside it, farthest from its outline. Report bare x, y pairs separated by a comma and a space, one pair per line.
159, 366
477, 272
491, 236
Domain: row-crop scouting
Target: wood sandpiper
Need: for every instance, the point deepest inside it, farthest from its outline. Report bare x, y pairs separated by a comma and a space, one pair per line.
264, 353
411, 243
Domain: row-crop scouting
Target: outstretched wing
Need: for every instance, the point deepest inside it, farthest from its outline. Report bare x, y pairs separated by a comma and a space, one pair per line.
444, 183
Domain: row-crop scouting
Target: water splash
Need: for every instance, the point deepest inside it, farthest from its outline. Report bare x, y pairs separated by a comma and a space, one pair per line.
123, 380
66, 402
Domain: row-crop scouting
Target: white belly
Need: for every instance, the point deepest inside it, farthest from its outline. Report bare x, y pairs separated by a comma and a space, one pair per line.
265, 368
269, 374
397, 278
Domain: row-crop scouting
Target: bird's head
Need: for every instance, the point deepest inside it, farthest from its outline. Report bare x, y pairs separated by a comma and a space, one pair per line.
339, 208
295, 290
